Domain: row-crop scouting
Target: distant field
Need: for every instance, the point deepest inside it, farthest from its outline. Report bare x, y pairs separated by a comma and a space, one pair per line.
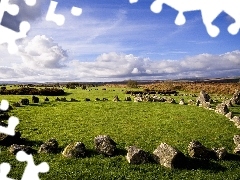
144, 124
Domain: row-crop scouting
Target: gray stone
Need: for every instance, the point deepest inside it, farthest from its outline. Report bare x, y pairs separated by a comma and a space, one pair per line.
128, 99
116, 99
105, 145
236, 139
171, 100
236, 98
168, 156
237, 149
229, 115
236, 120
136, 155
203, 97
222, 109
14, 148
197, 150
181, 102
220, 153
51, 146
74, 150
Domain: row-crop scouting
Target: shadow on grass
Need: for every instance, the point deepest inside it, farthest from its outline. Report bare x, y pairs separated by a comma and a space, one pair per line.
232, 157
194, 164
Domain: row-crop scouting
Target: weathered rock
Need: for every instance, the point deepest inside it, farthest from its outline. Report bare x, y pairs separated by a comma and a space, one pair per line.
105, 145
228, 103
222, 109
220, 152
236, 139
24, 101
203, 97
237, 149
136, 155
198, 102
181, 102
75, 150
236, 120
236, 98
35, 99
206, 105
51, 146
15, 148
128, 98
137, 99
171, 100
229, 115
197, 150
116, 99
168, 156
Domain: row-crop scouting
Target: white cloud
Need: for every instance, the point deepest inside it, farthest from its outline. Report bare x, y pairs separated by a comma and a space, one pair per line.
42, 59
42, 52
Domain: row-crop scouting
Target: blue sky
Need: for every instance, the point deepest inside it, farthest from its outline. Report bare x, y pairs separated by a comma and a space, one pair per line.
116, 40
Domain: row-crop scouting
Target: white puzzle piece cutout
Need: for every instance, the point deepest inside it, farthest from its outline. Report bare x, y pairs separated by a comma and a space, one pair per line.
31, 170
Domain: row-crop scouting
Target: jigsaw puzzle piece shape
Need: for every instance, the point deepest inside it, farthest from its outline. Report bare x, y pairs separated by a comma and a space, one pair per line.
10, 129
4, 170
9, 36
133, 1
59, 19
31, 171
76, 11
30, 2
4, 105
232, 9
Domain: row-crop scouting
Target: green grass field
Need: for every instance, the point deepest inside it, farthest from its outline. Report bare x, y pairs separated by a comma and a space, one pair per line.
145, 124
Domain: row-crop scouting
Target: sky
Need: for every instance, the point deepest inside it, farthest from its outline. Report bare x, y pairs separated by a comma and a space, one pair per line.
115, 40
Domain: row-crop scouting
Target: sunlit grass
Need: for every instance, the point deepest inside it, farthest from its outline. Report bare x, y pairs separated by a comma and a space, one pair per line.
145, 125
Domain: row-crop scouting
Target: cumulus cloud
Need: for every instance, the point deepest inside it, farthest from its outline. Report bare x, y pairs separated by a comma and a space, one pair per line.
43, 60
42, 52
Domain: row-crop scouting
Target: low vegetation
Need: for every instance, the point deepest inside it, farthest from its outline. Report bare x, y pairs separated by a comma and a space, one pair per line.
145, 124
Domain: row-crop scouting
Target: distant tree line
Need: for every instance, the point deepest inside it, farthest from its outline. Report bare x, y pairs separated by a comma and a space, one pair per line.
33, 91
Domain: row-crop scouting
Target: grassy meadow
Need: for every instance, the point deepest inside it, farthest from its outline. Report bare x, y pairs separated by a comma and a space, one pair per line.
144, 124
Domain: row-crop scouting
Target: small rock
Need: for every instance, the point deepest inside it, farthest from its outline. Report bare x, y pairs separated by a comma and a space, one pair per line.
237, 149
136, 155
105, 145
15, 148
51, 146
229, 115
75, 150
197, 150
236, 139
220, 152
168, 156
222, 109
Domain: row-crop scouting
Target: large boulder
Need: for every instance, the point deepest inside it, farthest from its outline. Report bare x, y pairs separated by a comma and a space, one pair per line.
203, 97
222, 109
15, 148
237, 149
50, 146
197, 150
136, 155
236, 98
168, 156
74, 150
105, 145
